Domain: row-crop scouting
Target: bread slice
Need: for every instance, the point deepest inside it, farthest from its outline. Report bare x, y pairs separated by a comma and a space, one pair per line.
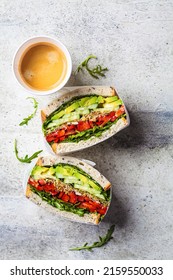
68, 147
93, 218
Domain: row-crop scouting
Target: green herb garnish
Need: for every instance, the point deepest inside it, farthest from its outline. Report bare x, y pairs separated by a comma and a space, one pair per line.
26, 159
103, 240
26, 120
94, 72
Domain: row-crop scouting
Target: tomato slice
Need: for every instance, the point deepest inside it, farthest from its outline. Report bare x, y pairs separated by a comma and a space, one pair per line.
70, 127
60, 194
91, 124
62, 138
120, 111
65, 197
70, 132
112, 114
80, 198
32, 182
83, 126
88, 206
42, 182
73, 197
113, 118
39, 188
61, 133
122, 108
95, 204
102, 211
106, 119
50, 138
54, 193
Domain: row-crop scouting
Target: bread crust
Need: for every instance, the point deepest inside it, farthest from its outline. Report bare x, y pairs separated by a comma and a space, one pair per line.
43, 116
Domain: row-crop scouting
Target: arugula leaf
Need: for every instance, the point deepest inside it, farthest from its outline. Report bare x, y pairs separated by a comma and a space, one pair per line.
94, 72
103, 240
27, 119
26, 159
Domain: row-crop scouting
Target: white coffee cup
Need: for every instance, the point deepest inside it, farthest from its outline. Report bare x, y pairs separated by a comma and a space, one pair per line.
26, 45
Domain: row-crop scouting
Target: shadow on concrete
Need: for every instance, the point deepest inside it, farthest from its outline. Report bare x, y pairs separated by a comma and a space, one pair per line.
117, 213
147, 129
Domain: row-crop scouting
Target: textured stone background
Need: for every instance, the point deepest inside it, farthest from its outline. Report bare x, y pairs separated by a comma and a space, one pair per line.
134, 39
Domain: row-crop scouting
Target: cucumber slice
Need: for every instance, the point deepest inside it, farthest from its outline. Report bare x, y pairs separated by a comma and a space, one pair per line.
66, 118
59, 175
82, 187
71, 181
88, 189
93, 106
82, 111
107, 109
56, 123
71, 117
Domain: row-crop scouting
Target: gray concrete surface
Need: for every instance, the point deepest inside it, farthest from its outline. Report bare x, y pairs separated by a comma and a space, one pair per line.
134, 40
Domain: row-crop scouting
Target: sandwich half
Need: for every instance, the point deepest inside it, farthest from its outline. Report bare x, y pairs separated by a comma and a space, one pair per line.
69, 187
82, 118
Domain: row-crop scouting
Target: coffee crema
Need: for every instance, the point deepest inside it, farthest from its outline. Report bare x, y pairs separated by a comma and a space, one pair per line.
43, 66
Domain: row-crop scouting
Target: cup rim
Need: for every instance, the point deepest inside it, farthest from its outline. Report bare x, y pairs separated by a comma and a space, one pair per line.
61, 85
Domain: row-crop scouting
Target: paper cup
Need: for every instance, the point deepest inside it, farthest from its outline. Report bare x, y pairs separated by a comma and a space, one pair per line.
26, 45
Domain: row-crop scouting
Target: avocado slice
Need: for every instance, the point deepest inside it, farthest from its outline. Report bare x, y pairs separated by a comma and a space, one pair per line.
72, 107
63, 171
81, 177
114, 104
58, 115
91, 101
93, 185
100, 99
111, 99
68, 110
83, 100
38, 170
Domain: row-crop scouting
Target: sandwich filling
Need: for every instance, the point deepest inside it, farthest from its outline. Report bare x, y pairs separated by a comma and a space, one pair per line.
69, 188
82, 118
